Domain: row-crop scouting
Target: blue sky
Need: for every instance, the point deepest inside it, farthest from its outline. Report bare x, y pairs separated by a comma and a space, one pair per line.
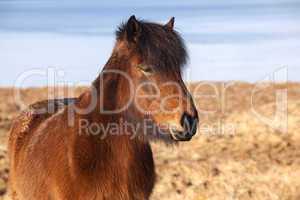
227, 40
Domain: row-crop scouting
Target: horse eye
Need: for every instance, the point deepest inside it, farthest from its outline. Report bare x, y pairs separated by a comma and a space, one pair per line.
146, 69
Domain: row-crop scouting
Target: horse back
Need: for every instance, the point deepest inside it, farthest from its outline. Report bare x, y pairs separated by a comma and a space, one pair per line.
24, 125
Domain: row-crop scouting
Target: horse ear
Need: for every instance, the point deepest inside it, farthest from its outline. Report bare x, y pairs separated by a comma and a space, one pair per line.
170, 24
133, 29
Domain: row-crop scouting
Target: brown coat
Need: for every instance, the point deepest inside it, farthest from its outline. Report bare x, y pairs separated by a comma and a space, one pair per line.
60, 164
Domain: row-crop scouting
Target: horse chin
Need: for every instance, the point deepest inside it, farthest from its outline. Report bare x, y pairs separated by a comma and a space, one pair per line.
162, 133
174, 136
180, 136
164, 136
160, 136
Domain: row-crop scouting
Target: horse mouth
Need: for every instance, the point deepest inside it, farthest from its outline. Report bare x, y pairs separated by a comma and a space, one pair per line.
180, 135
175, 135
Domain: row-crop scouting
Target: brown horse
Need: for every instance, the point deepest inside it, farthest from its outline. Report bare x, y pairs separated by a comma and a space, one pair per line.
81, 150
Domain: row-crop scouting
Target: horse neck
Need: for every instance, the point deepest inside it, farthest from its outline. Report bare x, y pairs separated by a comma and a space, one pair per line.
111, 86
103, 148
95, 154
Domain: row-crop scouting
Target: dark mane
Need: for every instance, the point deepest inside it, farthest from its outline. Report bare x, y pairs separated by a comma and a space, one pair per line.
159, 46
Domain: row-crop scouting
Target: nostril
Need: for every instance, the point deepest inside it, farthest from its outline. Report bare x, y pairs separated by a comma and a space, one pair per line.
189, 122
184, 119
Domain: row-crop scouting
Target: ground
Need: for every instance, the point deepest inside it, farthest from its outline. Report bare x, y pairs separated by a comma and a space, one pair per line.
247, 146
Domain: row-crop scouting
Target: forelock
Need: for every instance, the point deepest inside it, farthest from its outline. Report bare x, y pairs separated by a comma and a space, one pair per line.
158, 46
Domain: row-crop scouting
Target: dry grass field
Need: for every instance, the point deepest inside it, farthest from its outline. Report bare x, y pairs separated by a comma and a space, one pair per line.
247, 146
